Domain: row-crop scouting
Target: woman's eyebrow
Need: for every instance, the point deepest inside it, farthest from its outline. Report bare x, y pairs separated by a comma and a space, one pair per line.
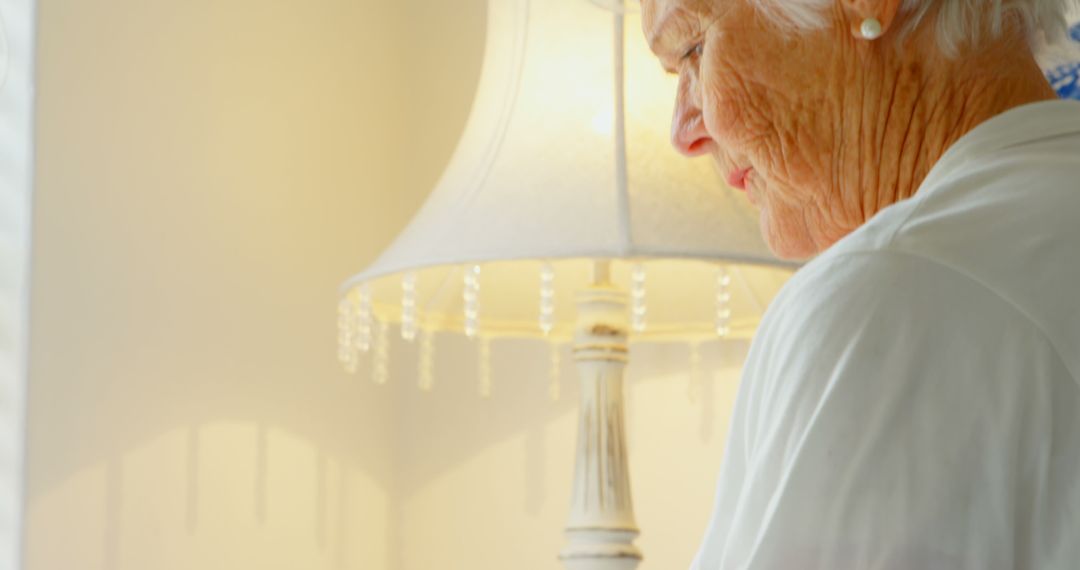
660, 36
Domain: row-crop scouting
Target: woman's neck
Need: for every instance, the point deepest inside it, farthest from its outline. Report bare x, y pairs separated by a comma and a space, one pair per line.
919, 105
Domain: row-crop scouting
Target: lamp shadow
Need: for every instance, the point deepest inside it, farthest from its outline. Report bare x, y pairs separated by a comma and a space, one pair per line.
213, 470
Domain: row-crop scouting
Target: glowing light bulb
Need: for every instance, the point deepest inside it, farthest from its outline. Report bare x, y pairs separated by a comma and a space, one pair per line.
603, 122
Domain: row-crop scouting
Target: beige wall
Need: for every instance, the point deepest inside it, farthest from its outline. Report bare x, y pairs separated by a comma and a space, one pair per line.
208, 172
442, 48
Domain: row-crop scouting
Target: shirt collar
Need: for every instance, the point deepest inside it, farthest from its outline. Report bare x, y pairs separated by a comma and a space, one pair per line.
1021, 125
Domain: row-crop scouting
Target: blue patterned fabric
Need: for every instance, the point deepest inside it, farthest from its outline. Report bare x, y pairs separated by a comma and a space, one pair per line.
1066, 78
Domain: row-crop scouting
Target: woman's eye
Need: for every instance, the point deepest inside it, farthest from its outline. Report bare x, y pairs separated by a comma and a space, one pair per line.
694, 50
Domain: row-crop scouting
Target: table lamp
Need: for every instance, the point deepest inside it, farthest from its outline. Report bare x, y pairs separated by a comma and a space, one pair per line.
565, 215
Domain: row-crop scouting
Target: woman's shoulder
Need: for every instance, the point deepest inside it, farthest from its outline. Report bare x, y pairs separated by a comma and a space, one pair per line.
881, 305
995, 229
1000, 235
1011, 178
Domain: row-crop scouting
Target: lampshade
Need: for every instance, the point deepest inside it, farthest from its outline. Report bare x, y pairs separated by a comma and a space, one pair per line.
566, 158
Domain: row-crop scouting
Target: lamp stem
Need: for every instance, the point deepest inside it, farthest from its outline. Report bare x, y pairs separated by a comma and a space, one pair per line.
601, 527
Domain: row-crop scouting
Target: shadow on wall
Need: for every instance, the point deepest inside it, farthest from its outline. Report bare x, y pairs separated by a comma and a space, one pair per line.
221, 495
256, 466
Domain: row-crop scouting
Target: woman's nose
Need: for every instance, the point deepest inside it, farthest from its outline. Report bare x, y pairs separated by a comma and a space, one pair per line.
688, 133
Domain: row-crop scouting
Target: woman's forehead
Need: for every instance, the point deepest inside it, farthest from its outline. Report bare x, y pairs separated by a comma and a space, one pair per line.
663, 20
655, 13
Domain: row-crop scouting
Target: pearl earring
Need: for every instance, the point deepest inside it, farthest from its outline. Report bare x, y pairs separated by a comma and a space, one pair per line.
870, 29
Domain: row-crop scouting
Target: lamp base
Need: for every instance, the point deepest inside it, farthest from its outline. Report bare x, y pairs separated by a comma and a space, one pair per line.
597, 549
601, 529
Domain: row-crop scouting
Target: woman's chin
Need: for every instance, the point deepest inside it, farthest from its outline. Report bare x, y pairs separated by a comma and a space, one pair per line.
783, 244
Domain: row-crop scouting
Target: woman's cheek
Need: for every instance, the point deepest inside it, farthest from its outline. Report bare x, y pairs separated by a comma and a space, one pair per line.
722, 111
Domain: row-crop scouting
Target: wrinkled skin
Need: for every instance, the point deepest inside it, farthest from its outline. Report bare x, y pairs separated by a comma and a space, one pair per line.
831, 126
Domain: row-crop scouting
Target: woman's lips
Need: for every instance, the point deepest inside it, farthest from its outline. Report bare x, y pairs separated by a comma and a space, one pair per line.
737, 178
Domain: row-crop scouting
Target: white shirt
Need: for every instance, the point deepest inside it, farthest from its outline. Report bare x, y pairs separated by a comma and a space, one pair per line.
911, 400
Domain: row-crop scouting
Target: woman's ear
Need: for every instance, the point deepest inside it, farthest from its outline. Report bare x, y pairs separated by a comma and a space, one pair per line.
870, 19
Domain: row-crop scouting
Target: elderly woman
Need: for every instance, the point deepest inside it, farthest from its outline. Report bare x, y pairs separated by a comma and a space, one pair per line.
912, 400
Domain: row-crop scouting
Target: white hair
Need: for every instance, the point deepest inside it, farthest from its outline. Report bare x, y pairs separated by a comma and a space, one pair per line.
957, 22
